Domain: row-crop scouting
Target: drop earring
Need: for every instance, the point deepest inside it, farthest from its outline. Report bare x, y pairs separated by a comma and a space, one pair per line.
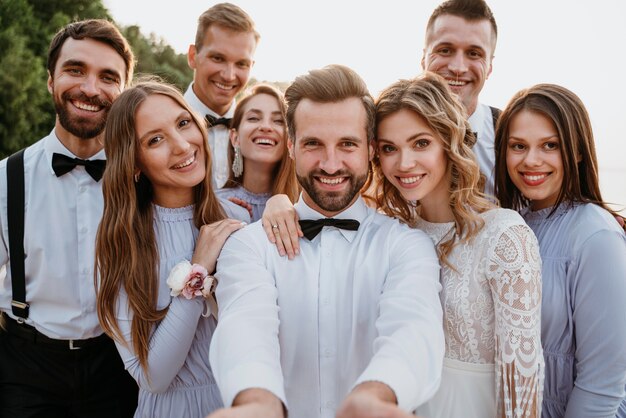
238, 163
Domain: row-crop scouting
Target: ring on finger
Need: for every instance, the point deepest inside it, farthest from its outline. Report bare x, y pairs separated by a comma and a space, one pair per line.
274, 226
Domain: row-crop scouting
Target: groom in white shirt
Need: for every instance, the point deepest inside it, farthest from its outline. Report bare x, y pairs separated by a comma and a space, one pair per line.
352, 326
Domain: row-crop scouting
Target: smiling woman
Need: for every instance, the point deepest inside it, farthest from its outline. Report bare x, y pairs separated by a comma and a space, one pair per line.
159, 208
546, 167
261, 166
171, 151
550, 51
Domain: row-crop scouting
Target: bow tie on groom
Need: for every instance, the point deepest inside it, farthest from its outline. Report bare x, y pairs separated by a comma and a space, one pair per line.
62, 164
312, 227
214, 121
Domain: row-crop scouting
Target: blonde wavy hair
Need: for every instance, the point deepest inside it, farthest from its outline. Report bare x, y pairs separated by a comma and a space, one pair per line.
126, 248
429, 97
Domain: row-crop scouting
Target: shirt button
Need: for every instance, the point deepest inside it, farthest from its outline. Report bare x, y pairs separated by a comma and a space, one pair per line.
325, 301
329, 404
85, 270
327, 352
82, 189
83, 229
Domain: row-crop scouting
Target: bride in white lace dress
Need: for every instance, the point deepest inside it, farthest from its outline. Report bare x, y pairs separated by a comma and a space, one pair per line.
425, 174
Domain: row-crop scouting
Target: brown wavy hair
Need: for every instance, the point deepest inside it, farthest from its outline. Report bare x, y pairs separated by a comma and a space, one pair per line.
126, 247
570, 118
284, 176
429, 97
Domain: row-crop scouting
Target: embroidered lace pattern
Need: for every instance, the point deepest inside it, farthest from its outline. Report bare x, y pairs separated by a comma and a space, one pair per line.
492, 305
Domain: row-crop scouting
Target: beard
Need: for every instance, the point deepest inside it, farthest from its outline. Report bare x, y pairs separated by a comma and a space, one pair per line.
81, 127
332, 201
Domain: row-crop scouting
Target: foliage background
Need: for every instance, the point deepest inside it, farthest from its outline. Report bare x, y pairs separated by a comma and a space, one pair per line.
26, 29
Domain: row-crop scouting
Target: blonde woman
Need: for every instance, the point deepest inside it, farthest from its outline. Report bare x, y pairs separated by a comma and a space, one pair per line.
426, 175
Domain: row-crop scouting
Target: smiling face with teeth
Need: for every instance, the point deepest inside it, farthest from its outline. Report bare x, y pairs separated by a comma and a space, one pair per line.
88, 76
221, 66
331, 153
261, 134
461, 51
533, 158
170, 151
412, 157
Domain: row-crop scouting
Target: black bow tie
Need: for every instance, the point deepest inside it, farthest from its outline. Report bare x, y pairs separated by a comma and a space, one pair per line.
213, 121
62, 164
310, 228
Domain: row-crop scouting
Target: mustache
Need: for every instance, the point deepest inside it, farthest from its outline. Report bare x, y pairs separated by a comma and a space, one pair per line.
320, 172
95, 101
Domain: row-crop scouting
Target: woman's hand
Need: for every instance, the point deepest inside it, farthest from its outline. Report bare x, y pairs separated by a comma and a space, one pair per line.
210, 241
240, 202
280, 222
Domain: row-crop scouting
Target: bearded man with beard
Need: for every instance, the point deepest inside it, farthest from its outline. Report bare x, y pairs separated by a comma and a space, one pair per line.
55, 360
352, 326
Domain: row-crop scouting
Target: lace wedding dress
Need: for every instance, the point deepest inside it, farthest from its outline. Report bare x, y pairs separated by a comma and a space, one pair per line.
491, 298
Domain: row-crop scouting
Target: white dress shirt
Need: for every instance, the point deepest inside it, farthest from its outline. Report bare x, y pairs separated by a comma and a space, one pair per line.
354, 306
60, 223
482, 123
218, 137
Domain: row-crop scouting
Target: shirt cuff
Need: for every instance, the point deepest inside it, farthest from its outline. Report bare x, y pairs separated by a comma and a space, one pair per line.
401, 381
251, 376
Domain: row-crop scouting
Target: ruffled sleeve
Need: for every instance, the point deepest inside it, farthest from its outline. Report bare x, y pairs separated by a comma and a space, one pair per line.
514, 274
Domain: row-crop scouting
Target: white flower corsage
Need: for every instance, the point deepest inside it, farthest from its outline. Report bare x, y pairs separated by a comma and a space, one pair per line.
190, 280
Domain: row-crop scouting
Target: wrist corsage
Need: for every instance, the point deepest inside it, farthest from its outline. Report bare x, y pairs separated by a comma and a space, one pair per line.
190, 280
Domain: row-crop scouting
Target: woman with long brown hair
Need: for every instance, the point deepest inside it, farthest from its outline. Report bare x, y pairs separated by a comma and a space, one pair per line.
161, 232
546, 168
258, 153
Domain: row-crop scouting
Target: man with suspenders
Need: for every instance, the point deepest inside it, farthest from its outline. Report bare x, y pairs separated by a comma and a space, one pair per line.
55, 360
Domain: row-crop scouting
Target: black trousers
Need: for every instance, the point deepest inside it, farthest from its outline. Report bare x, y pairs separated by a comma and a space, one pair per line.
37, 380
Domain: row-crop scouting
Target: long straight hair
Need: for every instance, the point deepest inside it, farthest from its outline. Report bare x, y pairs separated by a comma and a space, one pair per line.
284, 175
429, 97
126, 248
577, 147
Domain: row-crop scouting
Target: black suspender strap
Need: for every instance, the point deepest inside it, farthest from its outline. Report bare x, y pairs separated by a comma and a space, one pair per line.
15, 215
495, 114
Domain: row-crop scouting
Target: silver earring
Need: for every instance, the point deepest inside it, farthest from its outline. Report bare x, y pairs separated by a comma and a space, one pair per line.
136, 176
238, 163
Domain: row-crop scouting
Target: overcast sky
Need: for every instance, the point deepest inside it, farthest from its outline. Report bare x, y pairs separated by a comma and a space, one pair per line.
578, 44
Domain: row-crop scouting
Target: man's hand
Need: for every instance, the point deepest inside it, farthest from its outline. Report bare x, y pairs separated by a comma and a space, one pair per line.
253, 403
371, 400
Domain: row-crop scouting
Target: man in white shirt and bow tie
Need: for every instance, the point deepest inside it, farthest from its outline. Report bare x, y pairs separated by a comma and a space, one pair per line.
352, 327
221, 57
55, 360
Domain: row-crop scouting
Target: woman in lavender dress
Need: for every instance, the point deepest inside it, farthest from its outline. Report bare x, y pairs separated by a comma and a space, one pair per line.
159, 211
261, 166
546, 167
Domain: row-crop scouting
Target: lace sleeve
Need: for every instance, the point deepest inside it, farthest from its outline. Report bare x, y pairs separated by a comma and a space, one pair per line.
514, 272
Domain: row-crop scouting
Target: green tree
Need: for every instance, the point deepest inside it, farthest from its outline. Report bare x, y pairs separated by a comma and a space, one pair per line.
155, 56
25, 112
26, 29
